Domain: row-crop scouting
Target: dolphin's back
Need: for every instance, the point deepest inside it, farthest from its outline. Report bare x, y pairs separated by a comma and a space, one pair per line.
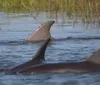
90, 65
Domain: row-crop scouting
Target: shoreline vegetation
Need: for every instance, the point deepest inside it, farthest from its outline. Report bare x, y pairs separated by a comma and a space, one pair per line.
86, 10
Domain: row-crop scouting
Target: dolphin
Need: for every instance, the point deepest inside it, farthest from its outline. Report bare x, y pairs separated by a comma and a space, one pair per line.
91, 64
37, 59
38, 64
42, 33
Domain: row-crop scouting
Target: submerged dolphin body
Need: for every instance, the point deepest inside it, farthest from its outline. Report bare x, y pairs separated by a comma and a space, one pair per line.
92, 64
42, 33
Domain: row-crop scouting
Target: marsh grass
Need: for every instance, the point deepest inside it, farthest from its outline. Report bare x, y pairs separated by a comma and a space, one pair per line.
86, 10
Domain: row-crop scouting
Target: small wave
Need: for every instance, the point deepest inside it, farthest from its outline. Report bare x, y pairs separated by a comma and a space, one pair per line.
16, 42
12, 42
78, 38
59, 39
83, 38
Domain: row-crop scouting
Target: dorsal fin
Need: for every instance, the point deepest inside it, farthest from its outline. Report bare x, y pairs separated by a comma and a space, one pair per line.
41, 52
95, 57
42, 33
38, 58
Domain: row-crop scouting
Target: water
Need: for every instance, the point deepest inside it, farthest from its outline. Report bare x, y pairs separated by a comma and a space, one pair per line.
13, 51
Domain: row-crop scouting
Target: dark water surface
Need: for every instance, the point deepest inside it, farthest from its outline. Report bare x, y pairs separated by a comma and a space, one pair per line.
13, 50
